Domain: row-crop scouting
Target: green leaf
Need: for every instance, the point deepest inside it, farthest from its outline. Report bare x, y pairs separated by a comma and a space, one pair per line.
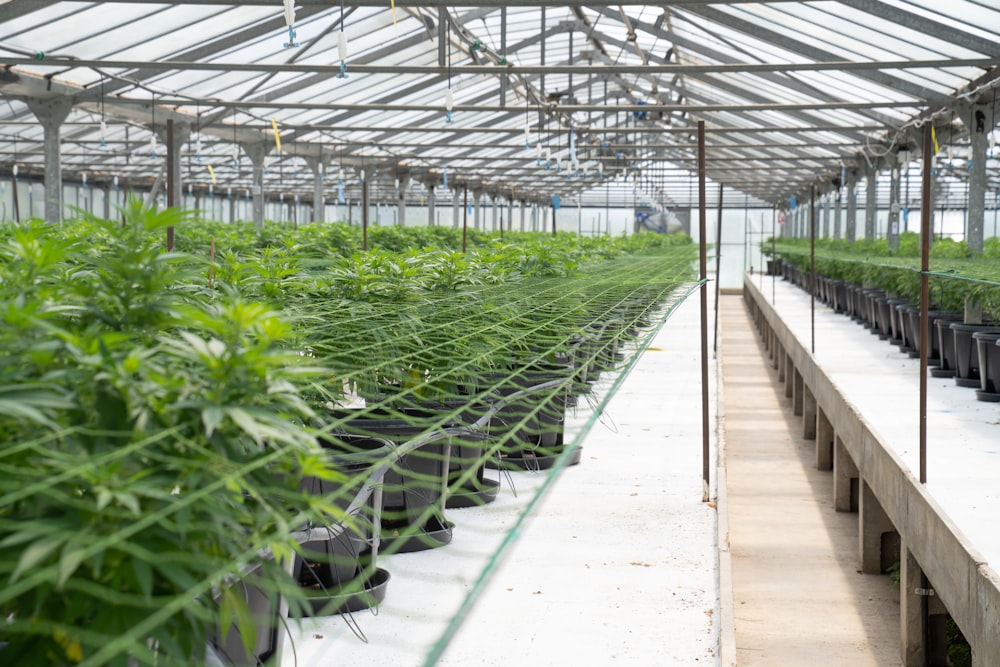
211, 417
143, 576
35, 554
71, 558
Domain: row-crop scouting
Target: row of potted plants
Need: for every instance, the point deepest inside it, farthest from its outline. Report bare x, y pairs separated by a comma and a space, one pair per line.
199, 442
881, 290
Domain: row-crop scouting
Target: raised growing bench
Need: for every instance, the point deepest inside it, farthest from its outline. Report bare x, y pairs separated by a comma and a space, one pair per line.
870, 478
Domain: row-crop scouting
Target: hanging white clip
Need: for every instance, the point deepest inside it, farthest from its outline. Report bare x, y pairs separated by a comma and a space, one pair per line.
449, 102
290, 22
342, 52
104, 132
152, 146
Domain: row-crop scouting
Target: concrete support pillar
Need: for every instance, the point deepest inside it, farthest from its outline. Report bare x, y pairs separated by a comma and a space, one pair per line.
824, 441
978, 120
852, 206
871, 202
836, 215
404, 185
782, 363
319, 197
476, 196
845, 474
826, 216
524, 208
872, 524
789, 376
510, 215
431, 205
895, 207
182, 134
107, 202
232, 207
51, 112
456, 210
257, 152
912, 610
798, 388
495, 206
809, 409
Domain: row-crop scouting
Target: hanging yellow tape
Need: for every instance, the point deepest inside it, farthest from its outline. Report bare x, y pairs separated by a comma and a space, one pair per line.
277, 135
211, 172
392, 4
937, 148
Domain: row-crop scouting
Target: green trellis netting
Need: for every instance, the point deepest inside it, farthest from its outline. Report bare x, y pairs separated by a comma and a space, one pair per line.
199, 443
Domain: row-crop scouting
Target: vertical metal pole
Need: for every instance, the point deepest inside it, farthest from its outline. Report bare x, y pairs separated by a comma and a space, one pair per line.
812, 270
703, 276
553, 220
465, 218
364, 213
718, 269
171, 164
925, 248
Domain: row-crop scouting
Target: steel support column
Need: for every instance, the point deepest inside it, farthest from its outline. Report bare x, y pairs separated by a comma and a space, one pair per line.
892, 228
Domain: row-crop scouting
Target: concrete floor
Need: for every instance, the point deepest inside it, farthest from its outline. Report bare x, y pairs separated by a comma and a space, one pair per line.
798, 597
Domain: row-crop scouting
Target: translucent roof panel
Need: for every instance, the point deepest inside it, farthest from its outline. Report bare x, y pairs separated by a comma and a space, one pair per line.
790, 93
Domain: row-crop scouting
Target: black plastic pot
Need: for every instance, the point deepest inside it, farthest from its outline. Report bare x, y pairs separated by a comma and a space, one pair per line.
337, 564
913, 329
265, 610
530, 416
840, 296
895, 321
967, 352
883, 316
989, 365
415, 484
907, 343
947, 361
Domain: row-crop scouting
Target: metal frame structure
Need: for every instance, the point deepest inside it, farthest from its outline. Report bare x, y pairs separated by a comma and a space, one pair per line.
595, 104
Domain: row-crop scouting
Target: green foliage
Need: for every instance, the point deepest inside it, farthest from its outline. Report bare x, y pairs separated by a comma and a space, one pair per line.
149, 425
159, 410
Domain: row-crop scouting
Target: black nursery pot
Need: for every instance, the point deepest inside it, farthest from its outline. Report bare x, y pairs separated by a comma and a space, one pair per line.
895, 320
947, 361
989, 365
531, 439
967, 361
338, 562
913, 325
470, 449
415, 484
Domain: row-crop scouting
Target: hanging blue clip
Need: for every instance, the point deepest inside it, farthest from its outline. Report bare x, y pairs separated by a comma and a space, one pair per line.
343, 70
291, 39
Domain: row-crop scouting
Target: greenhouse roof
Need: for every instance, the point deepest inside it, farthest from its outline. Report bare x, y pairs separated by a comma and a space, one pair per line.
547, 99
